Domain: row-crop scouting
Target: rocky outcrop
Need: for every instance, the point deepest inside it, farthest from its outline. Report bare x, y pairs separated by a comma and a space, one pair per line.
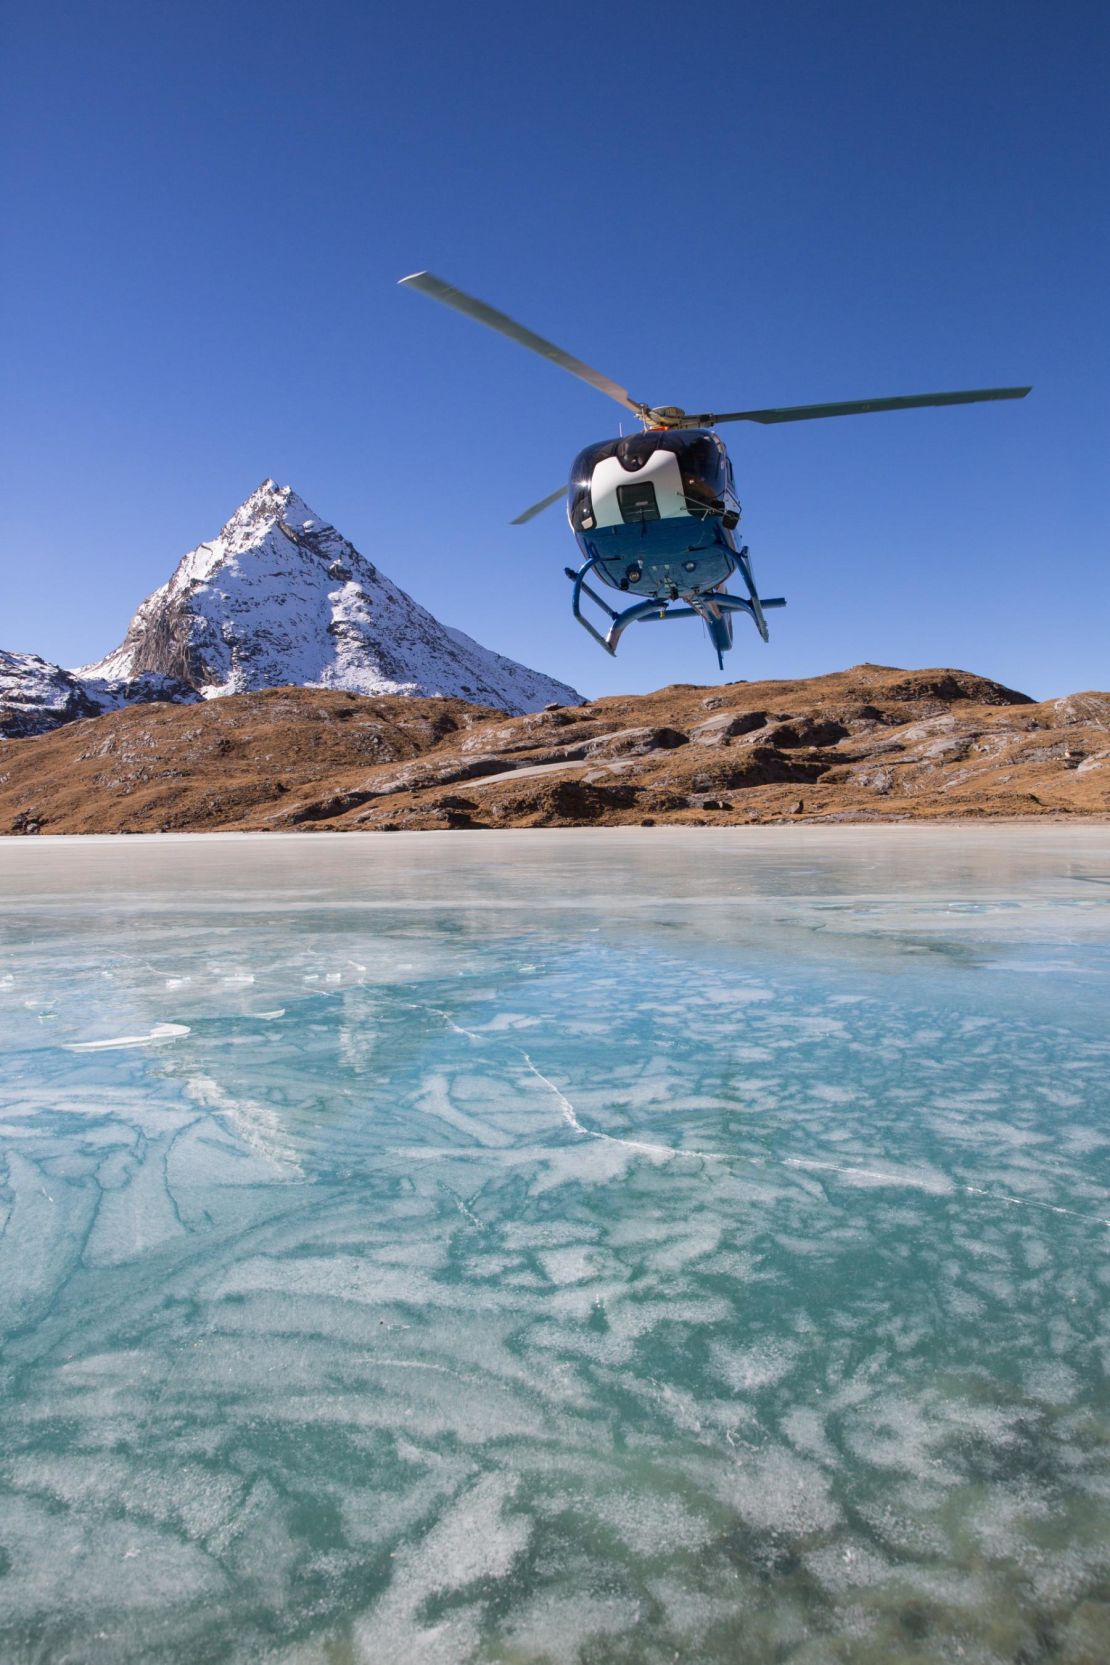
869, 744
36, 696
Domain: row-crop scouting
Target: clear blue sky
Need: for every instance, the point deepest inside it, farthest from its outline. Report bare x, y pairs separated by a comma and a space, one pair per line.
207, 207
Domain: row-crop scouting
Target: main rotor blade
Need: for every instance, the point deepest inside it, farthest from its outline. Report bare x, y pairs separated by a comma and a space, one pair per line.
428, 284
538, 508
861, 407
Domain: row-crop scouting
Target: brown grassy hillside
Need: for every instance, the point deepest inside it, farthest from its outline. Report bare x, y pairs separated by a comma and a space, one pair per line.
870, 743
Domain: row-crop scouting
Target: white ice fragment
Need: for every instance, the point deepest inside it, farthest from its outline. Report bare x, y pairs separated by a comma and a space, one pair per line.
804, 1427
86, 1555
572, 1265
137, 1213
749, 995
255, 1124
557, 1626
435, 1100
919, 1178
160, 1032
472, 1541
749, 1369
779, 1492
843, 1566
649, 1523
831, 1095
340, 1277
657, 1153
1053, 1381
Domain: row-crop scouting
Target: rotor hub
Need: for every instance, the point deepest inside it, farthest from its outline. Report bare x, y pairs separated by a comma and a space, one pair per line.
664, 416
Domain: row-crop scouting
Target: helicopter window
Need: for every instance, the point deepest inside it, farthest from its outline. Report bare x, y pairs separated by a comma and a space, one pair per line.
701, 457
703, 461
581, 474
635, 449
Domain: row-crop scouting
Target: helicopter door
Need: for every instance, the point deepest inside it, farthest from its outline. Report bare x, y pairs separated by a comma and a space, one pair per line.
623, 497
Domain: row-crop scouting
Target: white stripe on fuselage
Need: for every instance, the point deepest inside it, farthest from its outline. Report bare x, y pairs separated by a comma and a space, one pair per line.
661, 469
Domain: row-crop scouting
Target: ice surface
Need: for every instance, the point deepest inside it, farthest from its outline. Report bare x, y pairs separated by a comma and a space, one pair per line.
556, 1247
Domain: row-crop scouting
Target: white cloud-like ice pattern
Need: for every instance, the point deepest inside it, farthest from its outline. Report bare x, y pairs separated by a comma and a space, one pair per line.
579, 1248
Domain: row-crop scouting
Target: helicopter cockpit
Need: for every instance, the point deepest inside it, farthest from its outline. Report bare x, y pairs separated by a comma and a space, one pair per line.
658, 475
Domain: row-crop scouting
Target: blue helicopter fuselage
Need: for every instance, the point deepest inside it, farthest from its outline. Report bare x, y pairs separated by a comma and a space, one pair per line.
656, 512
655, 515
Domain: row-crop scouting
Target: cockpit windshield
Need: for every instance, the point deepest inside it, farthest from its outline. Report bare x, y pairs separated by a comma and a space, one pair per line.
702, 460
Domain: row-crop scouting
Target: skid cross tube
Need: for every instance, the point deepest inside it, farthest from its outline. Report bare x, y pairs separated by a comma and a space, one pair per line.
722, 601
621, 621
709, 609
644, 611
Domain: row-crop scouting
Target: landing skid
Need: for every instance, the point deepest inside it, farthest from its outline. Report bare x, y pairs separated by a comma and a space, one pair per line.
713, 607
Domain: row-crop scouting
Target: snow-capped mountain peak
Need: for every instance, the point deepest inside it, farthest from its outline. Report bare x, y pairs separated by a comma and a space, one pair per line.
269, 506
279, 596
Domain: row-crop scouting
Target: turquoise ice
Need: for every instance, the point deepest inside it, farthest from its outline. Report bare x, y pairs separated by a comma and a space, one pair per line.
556, 1247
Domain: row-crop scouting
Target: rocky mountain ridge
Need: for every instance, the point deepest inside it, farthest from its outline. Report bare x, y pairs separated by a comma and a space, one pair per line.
873, 743
279, 597
36, 696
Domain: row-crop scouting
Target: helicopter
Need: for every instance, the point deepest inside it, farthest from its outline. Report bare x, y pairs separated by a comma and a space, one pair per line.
655, 513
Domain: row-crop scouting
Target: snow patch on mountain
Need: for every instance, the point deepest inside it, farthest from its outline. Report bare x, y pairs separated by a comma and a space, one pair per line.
281, 597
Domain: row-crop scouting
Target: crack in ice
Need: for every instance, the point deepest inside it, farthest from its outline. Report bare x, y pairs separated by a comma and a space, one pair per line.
571, 1118
942, 1185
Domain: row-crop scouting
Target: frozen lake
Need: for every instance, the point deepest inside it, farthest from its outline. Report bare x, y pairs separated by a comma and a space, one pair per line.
601, 1247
